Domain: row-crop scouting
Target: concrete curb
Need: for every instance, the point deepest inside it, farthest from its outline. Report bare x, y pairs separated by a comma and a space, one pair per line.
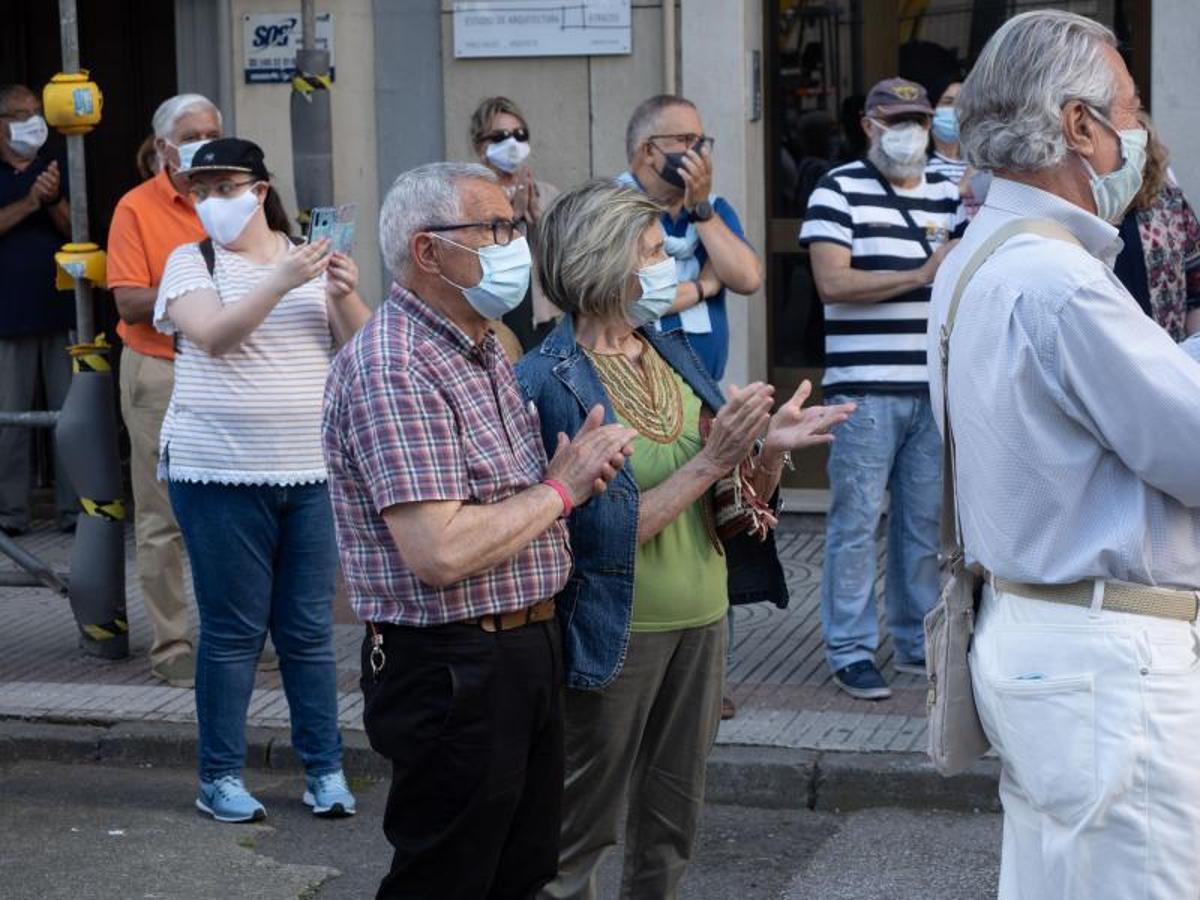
760, 777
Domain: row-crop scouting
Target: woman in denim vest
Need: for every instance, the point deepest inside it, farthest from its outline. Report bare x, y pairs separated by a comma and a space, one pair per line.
643, 615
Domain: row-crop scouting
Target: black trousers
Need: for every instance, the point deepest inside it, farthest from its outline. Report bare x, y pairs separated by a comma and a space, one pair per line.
472, 725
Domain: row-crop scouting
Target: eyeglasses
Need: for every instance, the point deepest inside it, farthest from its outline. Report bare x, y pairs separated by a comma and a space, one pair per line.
222, 189
697, 142
502, 229
503, 134
21, 115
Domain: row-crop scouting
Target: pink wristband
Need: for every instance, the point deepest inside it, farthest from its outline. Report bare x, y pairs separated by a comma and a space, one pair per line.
559, 489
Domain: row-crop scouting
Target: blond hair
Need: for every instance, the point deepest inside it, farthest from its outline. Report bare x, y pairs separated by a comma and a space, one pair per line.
486, 111
588, 247
1154, 175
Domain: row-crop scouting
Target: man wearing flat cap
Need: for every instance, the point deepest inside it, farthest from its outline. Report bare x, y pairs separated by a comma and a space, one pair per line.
877, 229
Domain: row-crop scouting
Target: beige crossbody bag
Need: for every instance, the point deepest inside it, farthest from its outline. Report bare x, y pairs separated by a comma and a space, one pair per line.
956, 737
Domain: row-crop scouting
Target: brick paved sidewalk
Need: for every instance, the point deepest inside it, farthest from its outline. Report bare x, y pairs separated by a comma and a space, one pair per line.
780, 680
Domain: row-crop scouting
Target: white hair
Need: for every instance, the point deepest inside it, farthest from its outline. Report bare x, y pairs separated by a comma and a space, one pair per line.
421, 197
1010, 106
171, 110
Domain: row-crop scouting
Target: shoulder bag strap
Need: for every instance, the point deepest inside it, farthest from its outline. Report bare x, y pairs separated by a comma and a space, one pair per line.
922, 236
951, 523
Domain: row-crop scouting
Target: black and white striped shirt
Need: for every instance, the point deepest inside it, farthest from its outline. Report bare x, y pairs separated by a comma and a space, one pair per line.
880, 346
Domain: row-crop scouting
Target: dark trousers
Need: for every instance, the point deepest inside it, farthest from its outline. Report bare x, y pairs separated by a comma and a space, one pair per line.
472, 725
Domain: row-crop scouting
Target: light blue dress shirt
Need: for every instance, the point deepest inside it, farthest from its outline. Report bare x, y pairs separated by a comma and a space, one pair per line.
1076, 418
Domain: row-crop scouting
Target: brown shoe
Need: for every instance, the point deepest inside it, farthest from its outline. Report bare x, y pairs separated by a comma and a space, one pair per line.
728, 708
178, 671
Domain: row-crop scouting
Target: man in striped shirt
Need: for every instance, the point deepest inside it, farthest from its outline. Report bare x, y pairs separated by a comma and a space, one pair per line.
877, 230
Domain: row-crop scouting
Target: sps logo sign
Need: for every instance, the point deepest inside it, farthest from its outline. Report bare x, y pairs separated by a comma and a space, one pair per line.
275, 34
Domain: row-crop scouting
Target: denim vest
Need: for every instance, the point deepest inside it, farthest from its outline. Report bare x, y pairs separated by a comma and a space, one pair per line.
595, 608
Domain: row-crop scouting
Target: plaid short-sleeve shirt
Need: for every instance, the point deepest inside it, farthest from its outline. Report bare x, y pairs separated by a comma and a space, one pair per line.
415, 411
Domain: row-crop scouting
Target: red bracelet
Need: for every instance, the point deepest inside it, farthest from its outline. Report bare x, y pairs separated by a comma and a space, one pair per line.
561, 490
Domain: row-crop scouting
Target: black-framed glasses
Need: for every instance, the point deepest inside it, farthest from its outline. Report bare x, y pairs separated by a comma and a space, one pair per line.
503, 134
502, 230
697, 142
222, 189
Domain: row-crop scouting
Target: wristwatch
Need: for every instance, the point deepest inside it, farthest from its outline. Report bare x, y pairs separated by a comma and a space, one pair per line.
701, 212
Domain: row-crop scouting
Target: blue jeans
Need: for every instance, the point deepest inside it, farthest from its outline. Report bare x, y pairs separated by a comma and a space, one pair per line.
263, 558
890, 443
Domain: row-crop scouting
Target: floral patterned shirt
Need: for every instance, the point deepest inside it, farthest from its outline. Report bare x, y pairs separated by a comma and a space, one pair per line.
1170, 236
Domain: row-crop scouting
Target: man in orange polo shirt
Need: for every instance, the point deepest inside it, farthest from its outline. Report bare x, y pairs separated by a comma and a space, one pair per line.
151, 221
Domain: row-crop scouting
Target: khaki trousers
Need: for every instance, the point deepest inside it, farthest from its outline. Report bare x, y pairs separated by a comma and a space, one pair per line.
646, 736
146, 384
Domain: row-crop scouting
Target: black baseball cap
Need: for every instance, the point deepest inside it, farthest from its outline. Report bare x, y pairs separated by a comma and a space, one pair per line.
229, 155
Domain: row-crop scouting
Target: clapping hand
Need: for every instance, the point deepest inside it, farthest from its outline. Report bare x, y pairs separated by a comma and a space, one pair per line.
738, 424
585, 464
795, 426
46, 187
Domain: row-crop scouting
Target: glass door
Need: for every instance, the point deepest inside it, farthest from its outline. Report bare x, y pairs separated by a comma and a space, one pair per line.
803, 97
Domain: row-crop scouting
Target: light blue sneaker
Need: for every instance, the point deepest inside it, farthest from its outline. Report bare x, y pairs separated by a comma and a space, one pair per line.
227, 800
329, 795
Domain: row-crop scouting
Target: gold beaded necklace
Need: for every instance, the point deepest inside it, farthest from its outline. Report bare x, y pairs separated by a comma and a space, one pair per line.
645, 396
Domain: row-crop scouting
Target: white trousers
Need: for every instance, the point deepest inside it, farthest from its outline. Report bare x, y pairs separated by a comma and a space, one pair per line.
1096, 718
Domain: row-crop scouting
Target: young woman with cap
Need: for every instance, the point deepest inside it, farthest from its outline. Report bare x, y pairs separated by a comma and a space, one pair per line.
256, 321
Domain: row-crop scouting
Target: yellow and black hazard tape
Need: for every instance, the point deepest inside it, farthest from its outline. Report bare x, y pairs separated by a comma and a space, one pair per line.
91, 357
304, 84
113, 510
106, 631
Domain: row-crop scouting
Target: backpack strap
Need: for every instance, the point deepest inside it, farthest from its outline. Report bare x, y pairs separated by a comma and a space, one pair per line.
210, 255
952, 541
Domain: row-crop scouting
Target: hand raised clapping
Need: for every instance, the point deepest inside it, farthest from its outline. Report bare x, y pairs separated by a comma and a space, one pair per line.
795, 426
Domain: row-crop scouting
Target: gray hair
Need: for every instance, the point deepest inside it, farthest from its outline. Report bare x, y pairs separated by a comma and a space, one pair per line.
588, 246
424, 196
171, 110
1010, 106
645, 119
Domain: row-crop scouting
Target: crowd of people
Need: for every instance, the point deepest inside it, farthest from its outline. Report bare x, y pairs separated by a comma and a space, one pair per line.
544, 502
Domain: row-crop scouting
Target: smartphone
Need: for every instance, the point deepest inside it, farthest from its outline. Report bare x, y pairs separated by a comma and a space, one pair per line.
335, 223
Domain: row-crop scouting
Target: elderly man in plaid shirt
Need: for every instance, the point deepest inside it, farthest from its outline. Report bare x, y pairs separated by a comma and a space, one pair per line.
450, 531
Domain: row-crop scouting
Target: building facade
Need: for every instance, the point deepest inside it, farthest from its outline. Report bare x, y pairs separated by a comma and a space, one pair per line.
401, 97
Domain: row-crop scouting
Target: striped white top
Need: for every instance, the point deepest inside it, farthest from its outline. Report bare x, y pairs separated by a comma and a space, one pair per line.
252, 416
954, 169
873, 346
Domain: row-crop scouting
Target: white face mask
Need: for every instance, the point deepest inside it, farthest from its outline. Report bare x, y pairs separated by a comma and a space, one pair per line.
225, 218
505, 276
903, 144
508, 154
659, 283
1115, 191
187, 152
26, 138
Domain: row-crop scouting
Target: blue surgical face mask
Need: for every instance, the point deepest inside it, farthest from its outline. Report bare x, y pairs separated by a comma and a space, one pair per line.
1115, 191
945, 124
658, 282
505, 276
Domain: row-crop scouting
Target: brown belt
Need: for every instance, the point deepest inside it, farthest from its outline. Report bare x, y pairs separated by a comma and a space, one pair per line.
493, 622
1119, 596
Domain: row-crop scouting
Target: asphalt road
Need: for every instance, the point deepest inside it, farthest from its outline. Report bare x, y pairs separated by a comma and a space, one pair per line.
81, 832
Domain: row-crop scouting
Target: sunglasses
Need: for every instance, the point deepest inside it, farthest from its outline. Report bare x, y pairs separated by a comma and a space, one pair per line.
503, 134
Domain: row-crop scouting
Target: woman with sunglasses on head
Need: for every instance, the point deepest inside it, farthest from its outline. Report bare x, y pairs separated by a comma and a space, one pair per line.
500, 138
256, 322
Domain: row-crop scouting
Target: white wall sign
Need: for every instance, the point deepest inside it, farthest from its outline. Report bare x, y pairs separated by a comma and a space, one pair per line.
270, 41
485, 28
